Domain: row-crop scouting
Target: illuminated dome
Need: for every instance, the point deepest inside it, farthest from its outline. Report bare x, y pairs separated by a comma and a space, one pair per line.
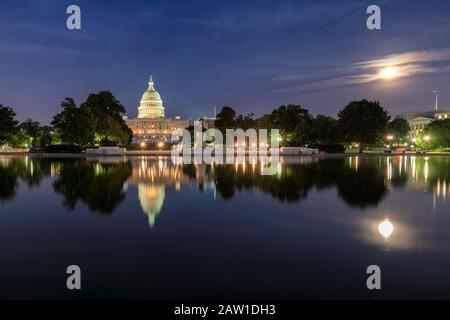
151, 104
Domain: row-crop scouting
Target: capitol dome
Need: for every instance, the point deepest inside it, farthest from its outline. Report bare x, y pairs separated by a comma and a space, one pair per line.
151, 104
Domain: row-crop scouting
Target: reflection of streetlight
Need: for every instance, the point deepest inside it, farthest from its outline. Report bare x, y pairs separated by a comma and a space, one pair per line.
386, 228
426, 138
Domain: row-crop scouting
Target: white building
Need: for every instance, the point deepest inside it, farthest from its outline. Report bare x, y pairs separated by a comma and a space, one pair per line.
151, 125
442, 115
419, 120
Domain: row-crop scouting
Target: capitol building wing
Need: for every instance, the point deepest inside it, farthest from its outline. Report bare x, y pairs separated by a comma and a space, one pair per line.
151, 125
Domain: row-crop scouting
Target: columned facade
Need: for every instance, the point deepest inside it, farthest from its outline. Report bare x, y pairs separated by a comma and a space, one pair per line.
151, 125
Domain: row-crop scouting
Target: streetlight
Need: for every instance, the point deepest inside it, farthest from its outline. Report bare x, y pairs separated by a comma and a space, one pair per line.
160, 144
142, 145
390, 138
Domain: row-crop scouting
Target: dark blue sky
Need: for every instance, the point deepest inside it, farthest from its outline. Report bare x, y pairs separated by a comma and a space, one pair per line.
252, 55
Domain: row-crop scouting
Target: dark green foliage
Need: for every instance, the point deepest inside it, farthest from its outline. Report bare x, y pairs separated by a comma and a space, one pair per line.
439, 133
325, 130
399, 129
226, 119
364, 122
7, 124
98, 120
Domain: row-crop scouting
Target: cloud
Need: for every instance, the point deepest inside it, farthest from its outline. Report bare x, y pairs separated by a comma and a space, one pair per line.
407, 58
408, 64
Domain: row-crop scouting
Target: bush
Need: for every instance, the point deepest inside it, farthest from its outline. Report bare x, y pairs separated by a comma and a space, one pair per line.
108, 143
58, 148
328, 148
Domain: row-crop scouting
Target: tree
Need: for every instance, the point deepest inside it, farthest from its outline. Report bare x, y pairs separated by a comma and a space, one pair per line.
303, 131
74, 126
399, 129
32, 132
325, 129
226, 119
245, 122
46, 137
8, 124
97, 121
106, 111
363, 122
294, 123
264, 122
439, 134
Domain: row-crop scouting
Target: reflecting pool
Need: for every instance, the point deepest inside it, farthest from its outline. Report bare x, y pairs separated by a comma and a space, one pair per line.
144, 227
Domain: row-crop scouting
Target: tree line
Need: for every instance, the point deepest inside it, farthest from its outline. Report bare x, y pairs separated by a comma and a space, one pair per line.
361, 123
97, 121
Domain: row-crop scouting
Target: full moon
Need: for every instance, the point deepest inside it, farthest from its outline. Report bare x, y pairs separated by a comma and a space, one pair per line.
389, 73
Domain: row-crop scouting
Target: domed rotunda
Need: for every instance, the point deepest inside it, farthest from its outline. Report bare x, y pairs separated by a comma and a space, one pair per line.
151, 105
151, 124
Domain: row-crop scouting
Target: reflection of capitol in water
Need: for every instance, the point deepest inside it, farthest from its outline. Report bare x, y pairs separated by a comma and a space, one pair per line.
151, 198
293, 179
152, 175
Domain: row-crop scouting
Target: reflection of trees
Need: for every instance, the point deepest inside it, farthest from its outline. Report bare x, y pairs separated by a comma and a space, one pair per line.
12, 169
438, 169
360, 187
8, 183
398, 171
99, 186
33, 171
360, 181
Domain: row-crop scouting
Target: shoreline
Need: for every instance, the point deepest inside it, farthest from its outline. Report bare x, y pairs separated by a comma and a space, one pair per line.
168, 154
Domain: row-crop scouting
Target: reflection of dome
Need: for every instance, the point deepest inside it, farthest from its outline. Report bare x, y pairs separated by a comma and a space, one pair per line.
151, 198
151, 104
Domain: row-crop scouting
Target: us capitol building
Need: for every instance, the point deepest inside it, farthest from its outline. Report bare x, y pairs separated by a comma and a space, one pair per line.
151, 125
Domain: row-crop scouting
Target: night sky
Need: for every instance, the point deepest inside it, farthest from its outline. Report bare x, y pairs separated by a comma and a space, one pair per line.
252, 55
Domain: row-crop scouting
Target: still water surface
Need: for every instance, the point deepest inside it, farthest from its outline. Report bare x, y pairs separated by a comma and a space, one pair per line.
142, 227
